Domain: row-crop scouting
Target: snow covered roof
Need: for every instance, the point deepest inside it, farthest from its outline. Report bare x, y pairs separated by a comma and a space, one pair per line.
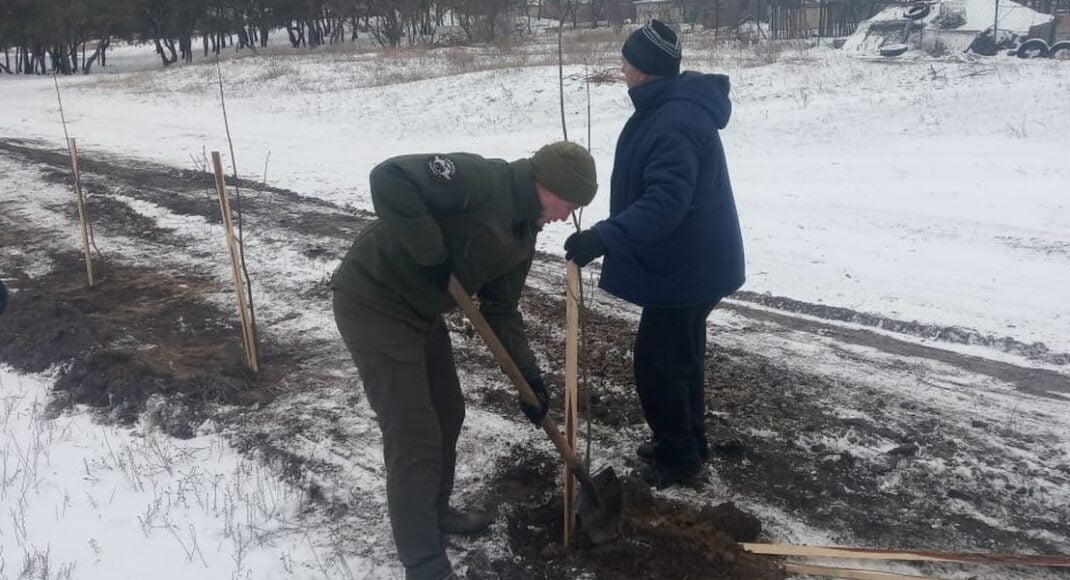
977, 14
948, 19
1012, 16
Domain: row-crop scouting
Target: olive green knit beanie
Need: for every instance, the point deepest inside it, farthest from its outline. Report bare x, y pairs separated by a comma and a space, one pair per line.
567, 170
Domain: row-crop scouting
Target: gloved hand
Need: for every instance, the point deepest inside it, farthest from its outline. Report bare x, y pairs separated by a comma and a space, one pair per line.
582, 247
536, 414
438, 274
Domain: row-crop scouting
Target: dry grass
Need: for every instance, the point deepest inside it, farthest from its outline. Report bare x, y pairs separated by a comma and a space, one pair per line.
137, 83
360, 64
276, 66
704, 48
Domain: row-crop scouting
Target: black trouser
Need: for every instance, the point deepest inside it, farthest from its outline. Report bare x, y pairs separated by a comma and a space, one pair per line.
669, 364
411, 383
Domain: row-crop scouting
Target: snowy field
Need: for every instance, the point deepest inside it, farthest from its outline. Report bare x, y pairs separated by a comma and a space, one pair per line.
919, 190
85, 500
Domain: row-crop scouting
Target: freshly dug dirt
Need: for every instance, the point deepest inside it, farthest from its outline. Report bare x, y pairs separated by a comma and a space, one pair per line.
659, 538
135, 333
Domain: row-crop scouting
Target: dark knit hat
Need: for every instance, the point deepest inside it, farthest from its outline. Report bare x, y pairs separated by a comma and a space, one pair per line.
567, 170
654, 49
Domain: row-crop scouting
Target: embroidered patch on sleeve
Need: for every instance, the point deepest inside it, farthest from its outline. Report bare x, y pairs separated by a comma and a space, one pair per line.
442, 167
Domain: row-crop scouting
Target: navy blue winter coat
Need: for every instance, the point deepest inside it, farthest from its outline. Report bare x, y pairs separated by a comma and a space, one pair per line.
673, 238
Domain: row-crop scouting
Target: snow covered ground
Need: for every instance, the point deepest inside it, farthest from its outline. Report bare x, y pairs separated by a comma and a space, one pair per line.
82, 499
932, 191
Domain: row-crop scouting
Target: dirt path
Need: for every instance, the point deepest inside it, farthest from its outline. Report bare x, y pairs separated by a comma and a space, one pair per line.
869, 437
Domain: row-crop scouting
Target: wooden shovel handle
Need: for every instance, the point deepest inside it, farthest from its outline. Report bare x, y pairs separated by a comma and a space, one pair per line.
460, 295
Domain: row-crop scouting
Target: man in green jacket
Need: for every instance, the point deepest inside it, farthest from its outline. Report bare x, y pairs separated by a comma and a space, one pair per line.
439, 215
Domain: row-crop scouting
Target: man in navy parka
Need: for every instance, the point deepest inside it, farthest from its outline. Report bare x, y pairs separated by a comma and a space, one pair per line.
672, 243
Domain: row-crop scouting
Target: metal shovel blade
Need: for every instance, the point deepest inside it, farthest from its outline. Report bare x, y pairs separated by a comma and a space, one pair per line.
601, 504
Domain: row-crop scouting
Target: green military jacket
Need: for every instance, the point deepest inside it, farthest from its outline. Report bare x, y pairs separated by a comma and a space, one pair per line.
480, 213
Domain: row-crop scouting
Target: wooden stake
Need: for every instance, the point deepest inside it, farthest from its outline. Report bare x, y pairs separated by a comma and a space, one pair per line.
909, 555
572, 363
248, 340
850, 573
83, 215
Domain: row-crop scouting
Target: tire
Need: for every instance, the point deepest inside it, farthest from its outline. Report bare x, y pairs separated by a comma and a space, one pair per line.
917, 11
1060, 50
893, 49
1033, 48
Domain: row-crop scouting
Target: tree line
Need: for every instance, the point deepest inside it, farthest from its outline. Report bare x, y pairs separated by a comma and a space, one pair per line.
69, 36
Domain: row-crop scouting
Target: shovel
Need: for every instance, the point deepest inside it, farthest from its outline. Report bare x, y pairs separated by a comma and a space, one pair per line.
601, 497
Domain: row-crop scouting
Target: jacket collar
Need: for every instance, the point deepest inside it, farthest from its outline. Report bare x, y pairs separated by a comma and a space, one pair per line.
526, 210
650, 94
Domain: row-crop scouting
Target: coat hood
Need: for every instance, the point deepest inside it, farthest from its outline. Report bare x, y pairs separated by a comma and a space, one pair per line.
708, 91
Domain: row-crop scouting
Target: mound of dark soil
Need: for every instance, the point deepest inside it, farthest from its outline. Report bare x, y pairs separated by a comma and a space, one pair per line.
135, 333
659, 538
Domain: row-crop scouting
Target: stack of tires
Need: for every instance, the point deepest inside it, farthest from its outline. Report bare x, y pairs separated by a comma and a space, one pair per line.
1038, 48
913, 13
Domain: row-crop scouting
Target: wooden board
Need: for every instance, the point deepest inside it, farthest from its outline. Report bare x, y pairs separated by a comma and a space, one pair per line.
909, 555
850, 573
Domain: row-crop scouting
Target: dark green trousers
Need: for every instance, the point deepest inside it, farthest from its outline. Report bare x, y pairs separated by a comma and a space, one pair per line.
411, 382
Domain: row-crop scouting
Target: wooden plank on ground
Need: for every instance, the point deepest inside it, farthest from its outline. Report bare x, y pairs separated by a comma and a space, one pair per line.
849, 573
921, 555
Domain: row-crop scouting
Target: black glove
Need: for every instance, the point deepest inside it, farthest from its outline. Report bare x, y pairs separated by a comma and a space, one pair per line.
438, 274
582, 247
536, 414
